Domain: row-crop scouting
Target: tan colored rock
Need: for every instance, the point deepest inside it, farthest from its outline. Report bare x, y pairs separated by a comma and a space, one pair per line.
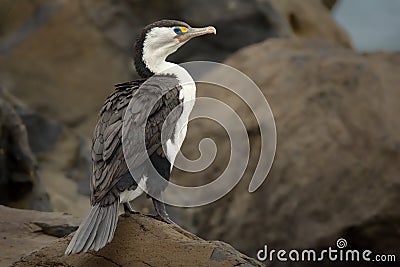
138, 241
59, 64
311, 19
336, 169
24, 231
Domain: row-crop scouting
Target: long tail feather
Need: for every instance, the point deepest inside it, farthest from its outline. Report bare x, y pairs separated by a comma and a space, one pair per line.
96, 230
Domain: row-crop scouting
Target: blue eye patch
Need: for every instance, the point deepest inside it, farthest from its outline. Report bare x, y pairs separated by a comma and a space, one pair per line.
180, 30
177, 30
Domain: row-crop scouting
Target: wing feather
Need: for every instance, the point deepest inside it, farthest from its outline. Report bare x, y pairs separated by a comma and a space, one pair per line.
145, 105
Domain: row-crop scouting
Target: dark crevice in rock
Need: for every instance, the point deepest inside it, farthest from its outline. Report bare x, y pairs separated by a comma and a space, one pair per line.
105, 258
146, 263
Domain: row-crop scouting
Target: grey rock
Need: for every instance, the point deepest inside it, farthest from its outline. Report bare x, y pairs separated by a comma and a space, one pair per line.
19, 181
336, 168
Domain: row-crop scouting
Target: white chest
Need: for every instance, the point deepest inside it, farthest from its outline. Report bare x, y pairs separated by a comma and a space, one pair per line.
188, 96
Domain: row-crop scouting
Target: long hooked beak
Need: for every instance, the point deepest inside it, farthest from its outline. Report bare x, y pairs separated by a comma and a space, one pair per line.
194, 32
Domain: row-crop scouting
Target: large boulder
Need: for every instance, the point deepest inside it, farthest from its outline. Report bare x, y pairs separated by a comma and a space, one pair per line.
20, 184
336, 172
45, 166
30, 238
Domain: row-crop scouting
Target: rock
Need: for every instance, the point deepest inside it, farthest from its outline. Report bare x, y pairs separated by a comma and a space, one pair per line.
58, 230
311, 20
329, 3
43, 132
336, 168
243, 23
65, 170
58, 158
20, 184
24, 231
139, 241
62, 58
17, 161
68, 83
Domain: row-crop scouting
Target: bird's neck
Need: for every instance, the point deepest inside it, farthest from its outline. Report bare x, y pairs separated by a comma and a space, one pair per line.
154, 62
159, 65
150, 61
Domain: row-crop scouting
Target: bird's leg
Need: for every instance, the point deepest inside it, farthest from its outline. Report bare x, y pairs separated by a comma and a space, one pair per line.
128, 209
161, 212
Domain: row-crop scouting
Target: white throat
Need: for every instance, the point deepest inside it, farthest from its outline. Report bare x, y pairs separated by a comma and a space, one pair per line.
155, 63
155, 52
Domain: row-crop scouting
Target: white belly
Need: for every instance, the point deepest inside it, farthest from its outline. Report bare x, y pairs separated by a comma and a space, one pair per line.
188, 96
174, 147
129, 195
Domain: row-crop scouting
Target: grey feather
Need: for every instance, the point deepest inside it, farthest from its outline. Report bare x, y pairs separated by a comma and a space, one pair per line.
102, 231
113, 221
77, 242
150, 105
146, 105
96, 231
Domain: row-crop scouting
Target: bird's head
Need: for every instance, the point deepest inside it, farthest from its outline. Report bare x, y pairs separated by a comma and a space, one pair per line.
159, 40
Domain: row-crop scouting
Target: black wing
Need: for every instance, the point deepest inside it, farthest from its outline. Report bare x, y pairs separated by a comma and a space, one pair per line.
152, 102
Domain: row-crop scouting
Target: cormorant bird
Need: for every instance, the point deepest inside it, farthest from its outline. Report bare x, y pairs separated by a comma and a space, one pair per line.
170, 87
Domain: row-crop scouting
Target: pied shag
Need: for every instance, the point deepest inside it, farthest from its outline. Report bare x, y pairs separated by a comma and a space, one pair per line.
171, 87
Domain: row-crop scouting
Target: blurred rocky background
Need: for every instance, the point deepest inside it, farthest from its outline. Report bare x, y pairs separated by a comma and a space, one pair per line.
336, 172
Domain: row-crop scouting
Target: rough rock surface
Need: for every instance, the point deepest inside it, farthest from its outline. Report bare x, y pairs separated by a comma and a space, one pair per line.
20, 184
139, 241
63, 58
24, 231
336, 172
45, 166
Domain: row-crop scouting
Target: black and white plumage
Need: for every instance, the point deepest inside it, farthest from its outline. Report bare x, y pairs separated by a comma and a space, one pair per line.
161, 101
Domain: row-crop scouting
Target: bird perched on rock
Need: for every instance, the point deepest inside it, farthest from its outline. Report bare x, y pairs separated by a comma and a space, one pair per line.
159, 102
